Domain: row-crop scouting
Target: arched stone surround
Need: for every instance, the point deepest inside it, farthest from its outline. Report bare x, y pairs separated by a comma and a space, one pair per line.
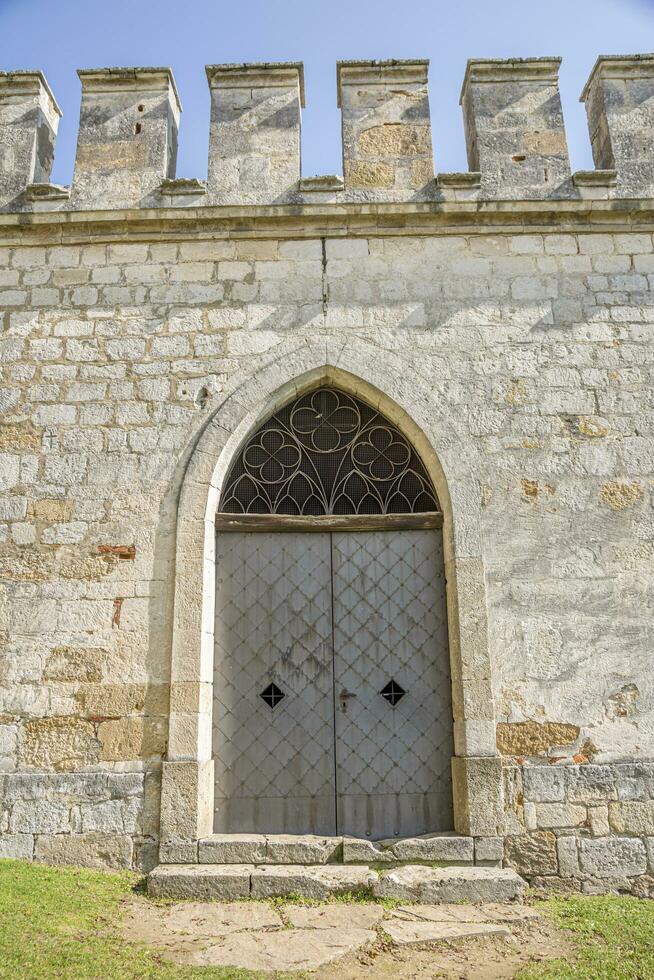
399, 392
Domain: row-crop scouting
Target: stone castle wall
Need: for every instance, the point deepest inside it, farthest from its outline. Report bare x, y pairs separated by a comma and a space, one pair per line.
517, 332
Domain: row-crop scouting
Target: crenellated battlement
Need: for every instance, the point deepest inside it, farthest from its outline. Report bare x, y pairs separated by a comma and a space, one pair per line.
513, 121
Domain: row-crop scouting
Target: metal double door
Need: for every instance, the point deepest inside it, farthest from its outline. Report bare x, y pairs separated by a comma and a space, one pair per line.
332, 704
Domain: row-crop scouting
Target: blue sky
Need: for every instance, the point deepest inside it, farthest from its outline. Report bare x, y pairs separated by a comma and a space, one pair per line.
59, 36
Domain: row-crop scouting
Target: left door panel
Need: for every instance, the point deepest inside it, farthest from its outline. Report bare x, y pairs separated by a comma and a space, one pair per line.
274, 766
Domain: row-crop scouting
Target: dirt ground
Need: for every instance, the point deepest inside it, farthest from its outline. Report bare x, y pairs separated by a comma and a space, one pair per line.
342, 941
472, 959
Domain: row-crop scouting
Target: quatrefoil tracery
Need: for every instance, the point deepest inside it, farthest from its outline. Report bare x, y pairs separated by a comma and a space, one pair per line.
328, 453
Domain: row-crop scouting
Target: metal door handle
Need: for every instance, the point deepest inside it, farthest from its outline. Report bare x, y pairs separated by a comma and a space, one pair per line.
344, 697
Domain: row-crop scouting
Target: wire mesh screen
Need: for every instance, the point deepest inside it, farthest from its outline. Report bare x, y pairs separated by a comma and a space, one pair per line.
328, 453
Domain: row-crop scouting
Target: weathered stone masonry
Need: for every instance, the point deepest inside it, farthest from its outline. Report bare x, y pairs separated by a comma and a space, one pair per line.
503, 318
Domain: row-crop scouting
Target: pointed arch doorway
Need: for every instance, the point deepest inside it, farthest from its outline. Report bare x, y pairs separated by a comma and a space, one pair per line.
332, 693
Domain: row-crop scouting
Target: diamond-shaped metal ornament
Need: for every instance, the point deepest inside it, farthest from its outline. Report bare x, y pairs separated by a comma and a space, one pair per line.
392, 692
272, 695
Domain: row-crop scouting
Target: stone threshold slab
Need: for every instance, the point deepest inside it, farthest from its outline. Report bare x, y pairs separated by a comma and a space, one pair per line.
271, 849
415, 883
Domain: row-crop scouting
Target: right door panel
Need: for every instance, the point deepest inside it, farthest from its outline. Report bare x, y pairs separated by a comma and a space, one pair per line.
393, 750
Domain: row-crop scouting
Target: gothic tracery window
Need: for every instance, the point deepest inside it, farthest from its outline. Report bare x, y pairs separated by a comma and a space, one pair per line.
328, 453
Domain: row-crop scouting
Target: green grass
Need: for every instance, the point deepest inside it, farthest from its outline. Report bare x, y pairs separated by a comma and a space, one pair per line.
61, 923
362, 897
613, 939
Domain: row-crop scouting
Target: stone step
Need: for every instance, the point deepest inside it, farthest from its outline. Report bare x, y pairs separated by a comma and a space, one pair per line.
416, 883
448, 849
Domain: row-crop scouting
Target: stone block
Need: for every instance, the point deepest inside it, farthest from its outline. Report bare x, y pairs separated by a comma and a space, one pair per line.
89, 850
489, 850
630, 817
62, 743
40, 817
178, 852
567, 851
445, 848
543, 784
20, 846
146, 855
532, 854
560, 815
428, 848
611, 857
232, 849
529, 815
311, 881
112, 816
117, 700
357, 850
531, 738
477, 790
68, 663
186, 801
649, 847
302, 849
598, 818
131, 738
606, 886
202, 882
590, 784
643, 887
417, 883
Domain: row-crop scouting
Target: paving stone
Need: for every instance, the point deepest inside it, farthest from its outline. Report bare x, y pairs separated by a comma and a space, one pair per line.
438, 913
302, 849
232, 849
222, 918
309, 882
511, 914
420, 884
341, 916
406, 933
290, 949
491, 912
190, 923
208, 881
